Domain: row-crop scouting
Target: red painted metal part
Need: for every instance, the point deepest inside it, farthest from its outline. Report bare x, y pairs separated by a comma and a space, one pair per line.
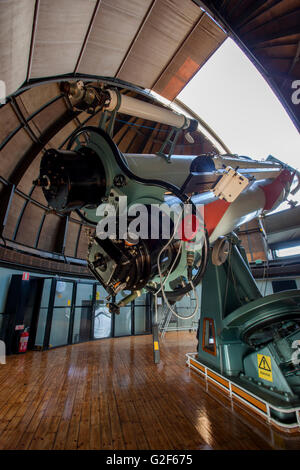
273, 190
188, 228
213, 213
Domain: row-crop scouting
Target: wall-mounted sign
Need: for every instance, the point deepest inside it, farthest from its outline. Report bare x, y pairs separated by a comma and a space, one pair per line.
25, 277
19, 327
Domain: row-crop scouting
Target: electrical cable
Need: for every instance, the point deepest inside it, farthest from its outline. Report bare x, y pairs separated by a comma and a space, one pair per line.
162, 282
227, 278
177, 254
176, 314
198, 277
84, 218
171, 268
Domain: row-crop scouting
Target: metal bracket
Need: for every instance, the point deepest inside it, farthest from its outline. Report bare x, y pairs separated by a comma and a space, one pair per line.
113, 114
170, 140
230, 186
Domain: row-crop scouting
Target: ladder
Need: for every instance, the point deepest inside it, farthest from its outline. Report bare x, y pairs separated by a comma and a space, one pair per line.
165, 320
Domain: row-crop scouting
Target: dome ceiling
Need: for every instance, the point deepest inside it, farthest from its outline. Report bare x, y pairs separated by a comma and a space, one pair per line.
156, 44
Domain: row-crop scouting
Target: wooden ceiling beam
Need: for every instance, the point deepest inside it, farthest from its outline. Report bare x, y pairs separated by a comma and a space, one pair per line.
33, 35
136, 37
85, 41
179, 48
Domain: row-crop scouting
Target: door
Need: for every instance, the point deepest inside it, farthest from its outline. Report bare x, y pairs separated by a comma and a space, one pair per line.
123, 321
43, 313
83, 309
22, 308
141, 309
60, 314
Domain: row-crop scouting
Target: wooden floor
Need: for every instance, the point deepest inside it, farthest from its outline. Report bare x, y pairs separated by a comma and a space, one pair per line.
108, 394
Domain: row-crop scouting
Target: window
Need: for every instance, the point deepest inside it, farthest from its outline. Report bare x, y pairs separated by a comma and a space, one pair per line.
209, 339
141, 315
60, 327
63, 294
83, 312
123, 321
290, 251
84, 294
288, 284
42, 320
76, 311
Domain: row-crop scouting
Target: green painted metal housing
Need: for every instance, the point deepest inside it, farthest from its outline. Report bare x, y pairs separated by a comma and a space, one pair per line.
249, 338
136, 193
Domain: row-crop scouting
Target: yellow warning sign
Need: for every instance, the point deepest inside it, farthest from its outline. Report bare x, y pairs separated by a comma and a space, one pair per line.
156, 346
264, 367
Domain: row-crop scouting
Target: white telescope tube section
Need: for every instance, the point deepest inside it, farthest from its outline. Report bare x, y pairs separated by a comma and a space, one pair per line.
221, 161
246, 207
178, 168
151, 112
154, 167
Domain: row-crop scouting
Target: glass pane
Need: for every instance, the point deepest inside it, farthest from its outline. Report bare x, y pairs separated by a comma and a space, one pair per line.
140, 300
39, 339
82, 323
76, 327
185, 307
123, 322
173, 321
84, 293
140, 324
102, 322
46, 293
100, 293
63, 294
59, 327
290, 251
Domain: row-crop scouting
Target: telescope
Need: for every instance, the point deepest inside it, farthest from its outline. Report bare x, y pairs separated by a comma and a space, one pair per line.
164, 223
216, 193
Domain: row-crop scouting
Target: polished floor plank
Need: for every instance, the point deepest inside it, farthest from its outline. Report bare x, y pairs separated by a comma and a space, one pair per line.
108, 394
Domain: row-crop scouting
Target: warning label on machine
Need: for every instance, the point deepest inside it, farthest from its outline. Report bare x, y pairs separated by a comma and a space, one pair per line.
264, 367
